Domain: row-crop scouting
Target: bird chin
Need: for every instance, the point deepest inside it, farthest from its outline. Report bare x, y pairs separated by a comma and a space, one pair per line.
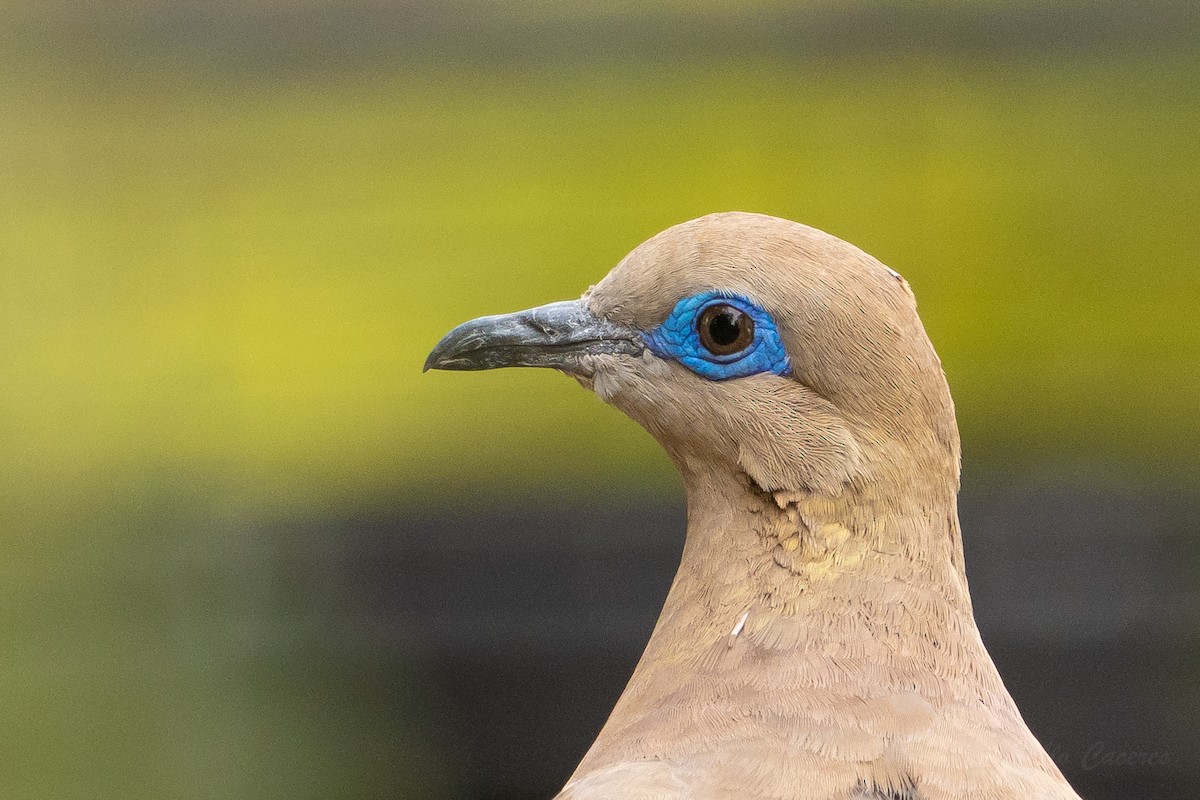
601, 374
587, 380
625, 381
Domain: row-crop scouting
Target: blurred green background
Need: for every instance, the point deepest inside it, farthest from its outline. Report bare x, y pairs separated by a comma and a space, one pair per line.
229, 236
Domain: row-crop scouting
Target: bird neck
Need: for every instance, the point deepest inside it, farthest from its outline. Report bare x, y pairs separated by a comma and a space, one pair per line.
793, 609
836, 571
808, 544
870, 579
805, 596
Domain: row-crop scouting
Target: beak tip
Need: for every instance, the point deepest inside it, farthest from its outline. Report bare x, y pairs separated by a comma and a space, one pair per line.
441, 356
448, 359
436, 363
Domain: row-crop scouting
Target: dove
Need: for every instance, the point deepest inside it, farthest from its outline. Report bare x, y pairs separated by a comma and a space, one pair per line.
818, 641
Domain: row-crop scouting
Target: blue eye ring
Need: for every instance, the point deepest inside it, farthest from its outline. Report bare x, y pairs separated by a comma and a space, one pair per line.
759, 347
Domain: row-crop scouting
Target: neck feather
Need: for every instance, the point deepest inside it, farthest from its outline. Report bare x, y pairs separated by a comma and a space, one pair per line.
805, 596
868, 569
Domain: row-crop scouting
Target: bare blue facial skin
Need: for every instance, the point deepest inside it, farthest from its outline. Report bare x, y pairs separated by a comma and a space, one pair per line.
678, 338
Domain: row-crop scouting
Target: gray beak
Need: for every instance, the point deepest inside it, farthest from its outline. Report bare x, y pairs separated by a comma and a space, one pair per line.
557, 335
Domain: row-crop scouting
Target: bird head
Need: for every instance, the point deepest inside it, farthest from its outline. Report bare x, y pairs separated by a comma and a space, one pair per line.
752, 346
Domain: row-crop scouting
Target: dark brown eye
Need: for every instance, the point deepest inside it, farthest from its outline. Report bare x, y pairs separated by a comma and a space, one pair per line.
725, 330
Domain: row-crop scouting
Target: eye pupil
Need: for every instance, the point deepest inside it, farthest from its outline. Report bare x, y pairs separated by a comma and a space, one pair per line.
725, 330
